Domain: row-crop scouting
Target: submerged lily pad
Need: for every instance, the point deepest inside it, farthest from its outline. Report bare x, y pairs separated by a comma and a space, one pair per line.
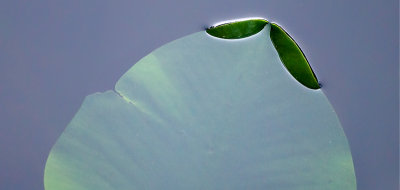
202, 113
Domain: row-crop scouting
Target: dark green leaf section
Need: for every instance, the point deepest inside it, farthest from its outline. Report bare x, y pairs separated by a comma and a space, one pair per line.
293, 58
289, 52
237, 30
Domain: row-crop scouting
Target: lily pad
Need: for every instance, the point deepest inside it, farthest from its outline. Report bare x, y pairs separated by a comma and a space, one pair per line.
204, 113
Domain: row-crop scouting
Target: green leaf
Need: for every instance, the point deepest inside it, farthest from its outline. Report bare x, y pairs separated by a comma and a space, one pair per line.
237, 30
293, 58
202, 113
289, 52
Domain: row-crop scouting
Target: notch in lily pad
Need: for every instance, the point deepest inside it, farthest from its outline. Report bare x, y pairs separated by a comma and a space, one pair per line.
289, 51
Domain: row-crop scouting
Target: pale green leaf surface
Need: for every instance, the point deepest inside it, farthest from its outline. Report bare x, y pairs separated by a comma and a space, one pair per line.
204, 113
